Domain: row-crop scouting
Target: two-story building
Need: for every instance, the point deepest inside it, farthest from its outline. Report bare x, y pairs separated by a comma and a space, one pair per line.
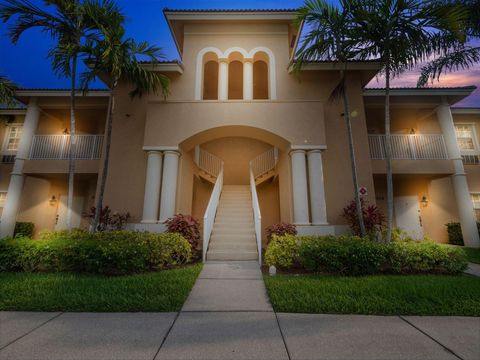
242, 142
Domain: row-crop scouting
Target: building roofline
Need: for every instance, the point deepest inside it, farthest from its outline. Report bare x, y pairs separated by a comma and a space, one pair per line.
335, 65
466, 110
428, 91
42, 92
164, 66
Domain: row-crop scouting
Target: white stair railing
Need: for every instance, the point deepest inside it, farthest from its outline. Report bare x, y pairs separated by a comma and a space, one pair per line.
264, 163
209, 217
207, 162
257, 216
409, 147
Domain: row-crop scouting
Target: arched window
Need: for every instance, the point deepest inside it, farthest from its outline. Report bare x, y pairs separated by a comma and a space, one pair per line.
260, 80
210, 76
235, 80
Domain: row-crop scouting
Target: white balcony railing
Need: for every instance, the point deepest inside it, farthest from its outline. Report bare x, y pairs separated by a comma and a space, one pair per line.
57, 147
409, 147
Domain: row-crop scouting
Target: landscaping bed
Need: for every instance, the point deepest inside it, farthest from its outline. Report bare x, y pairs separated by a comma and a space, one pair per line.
155, 291
375, 294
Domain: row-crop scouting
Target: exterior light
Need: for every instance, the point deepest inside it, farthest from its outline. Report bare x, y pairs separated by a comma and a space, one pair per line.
52, 201
424, 201
65, 132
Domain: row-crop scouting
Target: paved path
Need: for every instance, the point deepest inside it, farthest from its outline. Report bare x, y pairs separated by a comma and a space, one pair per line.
228, 316
473, 269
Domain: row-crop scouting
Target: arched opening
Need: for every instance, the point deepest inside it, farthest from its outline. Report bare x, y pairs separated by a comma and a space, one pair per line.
210, 77
235, 76
260, 76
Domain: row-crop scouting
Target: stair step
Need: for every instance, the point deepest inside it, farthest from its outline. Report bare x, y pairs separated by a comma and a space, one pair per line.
232, 237
232, 255
226, 230
232, 247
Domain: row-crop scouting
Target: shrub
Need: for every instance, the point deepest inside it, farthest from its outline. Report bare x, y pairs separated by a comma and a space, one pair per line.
282, 251
352, 255
280, 229
455, 236
24, 229
108, 221
346, 255
425, 257
111, 253
372, 217
187, 226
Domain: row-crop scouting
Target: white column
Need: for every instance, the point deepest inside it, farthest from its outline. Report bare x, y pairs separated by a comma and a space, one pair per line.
223, 79
299, 185
247, 79
459, 179
317, 190
169, 184
14, 192
151, 199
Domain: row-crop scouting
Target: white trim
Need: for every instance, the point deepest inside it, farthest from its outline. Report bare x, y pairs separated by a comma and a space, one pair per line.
337, 66
236, 33
161, 148
231, 50
230, 16
172, 67
272, 70
2, 202
13, 111
419, 92
308, 147
66, 93
476, 143
471, 195
199, 69
466, 111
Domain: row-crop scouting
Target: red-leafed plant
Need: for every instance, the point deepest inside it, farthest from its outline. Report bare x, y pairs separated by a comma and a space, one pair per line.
187, 226
280, 229
109, 221
372, 217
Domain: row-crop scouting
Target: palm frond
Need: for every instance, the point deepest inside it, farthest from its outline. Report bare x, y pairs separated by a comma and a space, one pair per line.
7, 91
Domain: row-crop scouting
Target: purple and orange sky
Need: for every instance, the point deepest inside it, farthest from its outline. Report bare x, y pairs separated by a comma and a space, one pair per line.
27, 65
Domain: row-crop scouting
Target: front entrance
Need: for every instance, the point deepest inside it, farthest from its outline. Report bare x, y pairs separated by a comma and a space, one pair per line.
408, 217
61, 222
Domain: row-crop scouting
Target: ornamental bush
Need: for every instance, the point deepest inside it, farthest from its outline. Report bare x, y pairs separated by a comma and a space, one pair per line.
23, 229
187, 226
352, 255
280, 229
110, 253
455, 236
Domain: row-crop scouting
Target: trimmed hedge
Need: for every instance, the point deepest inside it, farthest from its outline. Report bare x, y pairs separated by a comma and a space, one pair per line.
111, 253
455, 236
352, 255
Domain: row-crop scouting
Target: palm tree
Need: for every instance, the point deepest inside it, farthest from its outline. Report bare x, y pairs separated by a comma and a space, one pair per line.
399, 34
115, 57
7, 91
460, 55
67, 23
331, 38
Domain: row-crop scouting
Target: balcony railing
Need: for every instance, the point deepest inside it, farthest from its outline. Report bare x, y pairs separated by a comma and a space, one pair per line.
57, 147
471, 159
409, 147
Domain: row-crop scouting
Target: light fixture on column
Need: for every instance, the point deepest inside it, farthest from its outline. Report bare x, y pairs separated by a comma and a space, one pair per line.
52, 201
424, 201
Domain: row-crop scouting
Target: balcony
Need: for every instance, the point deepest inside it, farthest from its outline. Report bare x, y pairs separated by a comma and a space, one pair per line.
57, 147
409, 147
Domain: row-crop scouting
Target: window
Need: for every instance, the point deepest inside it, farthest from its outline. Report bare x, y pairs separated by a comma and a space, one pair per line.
235, 80
210, 80
466, 138
476, 204
3, 197
12, 138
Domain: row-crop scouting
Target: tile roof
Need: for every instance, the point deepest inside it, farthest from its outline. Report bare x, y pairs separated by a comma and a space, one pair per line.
230, 10
56, 89
425, 88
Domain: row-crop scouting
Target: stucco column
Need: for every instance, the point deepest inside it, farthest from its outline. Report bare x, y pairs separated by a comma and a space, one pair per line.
223, 79
299, 185
151, 199
317, 189
459, 179
14, 192
247, 79
169, 184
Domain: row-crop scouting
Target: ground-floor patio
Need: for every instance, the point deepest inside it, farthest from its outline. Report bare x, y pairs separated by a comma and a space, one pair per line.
228, 316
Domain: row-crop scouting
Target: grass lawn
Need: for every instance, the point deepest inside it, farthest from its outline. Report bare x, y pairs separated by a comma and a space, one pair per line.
381, 295
473, 255
159, 291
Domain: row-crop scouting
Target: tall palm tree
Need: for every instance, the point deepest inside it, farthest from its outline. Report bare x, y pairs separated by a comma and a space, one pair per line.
67, 23
7, 91
399, 34
115, 57
460, 55
331, 38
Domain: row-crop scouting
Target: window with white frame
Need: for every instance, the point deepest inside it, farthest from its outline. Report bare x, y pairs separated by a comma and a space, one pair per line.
3, 197
12, 138
466, 137
476, 203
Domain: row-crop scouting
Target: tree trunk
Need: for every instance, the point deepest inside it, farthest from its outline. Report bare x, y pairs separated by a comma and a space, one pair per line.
388, 153
108, 139
353, 161
73, 145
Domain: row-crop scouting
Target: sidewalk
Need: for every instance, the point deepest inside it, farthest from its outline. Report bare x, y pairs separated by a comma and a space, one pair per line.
228, 316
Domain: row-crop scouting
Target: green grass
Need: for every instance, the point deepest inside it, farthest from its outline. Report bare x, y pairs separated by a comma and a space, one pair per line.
473, 255
160, 291
380, 295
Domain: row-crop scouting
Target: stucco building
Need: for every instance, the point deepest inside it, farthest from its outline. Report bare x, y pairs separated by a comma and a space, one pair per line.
241, 131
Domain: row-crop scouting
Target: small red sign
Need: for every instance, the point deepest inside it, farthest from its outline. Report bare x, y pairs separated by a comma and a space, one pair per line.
363, 191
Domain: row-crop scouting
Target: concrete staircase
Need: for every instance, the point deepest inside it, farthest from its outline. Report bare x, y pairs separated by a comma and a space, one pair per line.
233, 234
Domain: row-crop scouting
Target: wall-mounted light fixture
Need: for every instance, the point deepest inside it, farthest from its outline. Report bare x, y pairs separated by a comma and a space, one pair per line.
52, 201
65, 132
424, 201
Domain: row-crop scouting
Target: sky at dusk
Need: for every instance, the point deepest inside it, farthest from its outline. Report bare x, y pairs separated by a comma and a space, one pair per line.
27, 65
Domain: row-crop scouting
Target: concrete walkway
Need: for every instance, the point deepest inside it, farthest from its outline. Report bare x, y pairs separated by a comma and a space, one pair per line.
228, 316
473, 269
